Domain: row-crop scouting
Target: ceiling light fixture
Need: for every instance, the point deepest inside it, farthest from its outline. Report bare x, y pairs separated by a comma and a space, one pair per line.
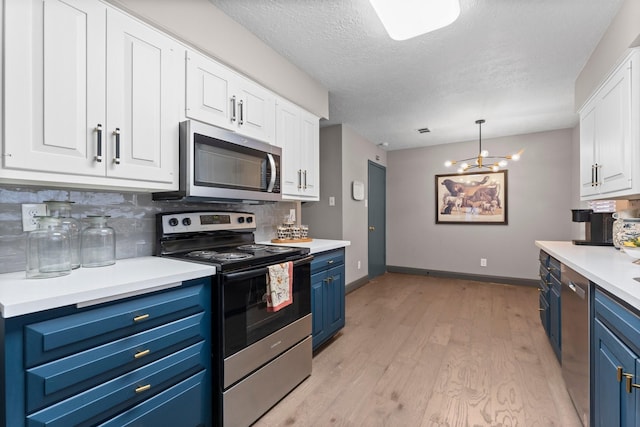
404, 19
494, 162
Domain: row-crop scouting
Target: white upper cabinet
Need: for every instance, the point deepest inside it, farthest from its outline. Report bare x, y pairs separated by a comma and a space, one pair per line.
221, 97
610, 135
298, 134
90, 92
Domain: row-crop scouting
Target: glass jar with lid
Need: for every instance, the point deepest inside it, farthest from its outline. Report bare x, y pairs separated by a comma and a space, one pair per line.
48, 249
62, 210
98, 242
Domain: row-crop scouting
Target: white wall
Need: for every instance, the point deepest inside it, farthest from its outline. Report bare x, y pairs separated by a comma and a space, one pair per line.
344, 157
540, 196
623, 33
204, 26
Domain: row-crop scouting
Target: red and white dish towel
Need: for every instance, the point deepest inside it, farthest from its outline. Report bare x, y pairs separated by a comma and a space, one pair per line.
279, 286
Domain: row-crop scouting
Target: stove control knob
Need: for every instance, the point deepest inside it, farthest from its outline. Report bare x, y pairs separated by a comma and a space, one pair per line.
173, 222
249, 219
240, 219
186, 222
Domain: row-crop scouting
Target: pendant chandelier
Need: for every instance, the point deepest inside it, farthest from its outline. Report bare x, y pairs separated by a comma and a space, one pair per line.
483, 160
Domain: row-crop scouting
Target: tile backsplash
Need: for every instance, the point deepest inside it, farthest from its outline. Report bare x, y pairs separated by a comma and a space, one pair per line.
132, 217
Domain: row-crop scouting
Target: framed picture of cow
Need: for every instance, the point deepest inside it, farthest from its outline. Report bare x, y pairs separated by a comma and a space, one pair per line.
477, 198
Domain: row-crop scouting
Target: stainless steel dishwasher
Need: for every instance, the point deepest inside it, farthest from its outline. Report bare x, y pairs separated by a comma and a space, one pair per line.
574, 318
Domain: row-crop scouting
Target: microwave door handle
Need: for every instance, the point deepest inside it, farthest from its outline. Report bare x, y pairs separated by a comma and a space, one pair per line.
272, 165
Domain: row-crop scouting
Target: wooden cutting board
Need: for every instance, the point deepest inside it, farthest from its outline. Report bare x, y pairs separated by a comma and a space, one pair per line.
305, 240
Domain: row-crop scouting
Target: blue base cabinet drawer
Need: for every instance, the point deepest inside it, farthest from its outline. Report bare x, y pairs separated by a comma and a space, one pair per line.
64, 377
139, 361
111, 397
327, 295
59, 337
167, 408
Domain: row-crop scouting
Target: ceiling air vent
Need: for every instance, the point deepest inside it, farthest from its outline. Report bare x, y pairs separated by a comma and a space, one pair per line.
424, 130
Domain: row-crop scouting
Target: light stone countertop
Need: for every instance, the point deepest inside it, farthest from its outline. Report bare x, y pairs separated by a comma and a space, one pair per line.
316, 245
88, 286
606, 266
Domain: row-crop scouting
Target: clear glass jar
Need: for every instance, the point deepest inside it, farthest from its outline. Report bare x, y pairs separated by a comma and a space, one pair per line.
627, 230
48, 249
98, 242
62, 210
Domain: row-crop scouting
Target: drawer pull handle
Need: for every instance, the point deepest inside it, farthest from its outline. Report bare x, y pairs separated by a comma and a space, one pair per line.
143, 388
619, 374
141, 353
330, 261
141, 318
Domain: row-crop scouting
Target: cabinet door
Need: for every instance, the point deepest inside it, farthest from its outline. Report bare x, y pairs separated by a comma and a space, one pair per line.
334, 297
613, 131
554, 321
587, 151
310, 156
256, 111
613, 406
209, 96
318, 330
288, 138
54, 85
142, 101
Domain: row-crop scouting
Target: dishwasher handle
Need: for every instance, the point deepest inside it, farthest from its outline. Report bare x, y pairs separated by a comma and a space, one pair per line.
577, 289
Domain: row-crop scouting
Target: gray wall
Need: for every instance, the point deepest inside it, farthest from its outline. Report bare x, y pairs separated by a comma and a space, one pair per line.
132, 216
204, 26
344, 157
540, 192
623, 33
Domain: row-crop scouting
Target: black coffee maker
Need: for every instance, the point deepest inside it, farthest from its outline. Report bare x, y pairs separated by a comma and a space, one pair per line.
598, 227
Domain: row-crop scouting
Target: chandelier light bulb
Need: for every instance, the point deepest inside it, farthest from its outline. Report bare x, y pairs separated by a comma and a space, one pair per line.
515, 157
484, 153
464, 165
503, 163
448, 163
495, 168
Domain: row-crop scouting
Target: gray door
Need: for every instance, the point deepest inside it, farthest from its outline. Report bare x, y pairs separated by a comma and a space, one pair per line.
377, 219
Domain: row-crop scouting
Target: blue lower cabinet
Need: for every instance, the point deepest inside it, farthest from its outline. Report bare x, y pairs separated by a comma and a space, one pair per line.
327, 295
616, 364
146, 363
549, 301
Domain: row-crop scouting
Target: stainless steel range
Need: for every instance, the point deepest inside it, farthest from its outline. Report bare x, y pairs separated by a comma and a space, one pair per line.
258, 355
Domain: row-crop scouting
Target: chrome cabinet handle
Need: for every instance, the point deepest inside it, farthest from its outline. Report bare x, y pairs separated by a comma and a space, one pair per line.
99, 141
233, 108
305, 178
241, 122
116, 159
593, 175
299, 179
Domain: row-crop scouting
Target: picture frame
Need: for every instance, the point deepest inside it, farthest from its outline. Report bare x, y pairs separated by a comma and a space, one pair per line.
473, 198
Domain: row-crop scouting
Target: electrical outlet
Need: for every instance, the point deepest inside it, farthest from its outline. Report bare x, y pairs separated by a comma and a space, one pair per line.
359, 265
29, 212
483, 262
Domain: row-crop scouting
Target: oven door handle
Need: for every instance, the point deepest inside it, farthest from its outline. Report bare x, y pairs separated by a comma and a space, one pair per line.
244, 275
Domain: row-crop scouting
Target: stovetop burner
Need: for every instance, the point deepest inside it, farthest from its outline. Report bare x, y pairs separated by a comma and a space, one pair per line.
202, 254
252, 247
231, 256
277, 249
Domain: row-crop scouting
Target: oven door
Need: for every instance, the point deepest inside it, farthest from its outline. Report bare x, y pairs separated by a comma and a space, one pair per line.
245, 319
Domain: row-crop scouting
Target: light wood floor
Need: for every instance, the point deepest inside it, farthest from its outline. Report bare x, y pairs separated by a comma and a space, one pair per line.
424, 351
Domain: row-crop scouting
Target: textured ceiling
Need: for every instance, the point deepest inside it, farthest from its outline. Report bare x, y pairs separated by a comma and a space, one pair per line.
511, 62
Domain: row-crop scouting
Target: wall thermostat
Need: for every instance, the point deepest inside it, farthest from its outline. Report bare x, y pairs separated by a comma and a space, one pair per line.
357, 189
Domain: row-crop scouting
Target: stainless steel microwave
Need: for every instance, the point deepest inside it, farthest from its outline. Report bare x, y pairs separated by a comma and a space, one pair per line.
220, 165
